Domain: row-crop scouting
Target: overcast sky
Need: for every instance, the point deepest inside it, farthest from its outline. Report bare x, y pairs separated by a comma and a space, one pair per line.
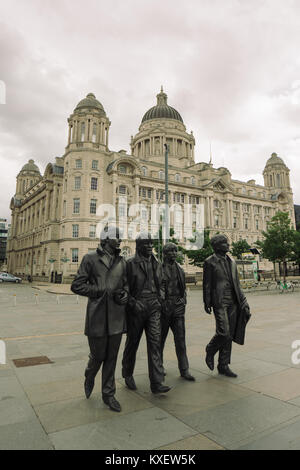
231, 68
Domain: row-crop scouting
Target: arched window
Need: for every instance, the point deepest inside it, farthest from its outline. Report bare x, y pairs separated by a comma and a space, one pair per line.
177, 177
144, 171
193, 180
122, 169
161, 175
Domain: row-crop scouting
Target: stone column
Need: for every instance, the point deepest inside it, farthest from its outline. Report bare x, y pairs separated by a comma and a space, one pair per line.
241, 216
211, 211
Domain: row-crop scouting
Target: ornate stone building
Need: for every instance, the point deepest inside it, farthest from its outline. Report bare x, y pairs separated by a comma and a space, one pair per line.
54, 217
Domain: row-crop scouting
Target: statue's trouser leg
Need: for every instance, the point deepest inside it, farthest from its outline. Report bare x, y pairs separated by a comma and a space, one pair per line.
165, 325
178, 328
153, 337
105, 350
135, 328
225, 324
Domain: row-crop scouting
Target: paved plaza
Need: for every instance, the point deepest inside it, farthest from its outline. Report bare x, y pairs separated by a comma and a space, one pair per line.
44, 407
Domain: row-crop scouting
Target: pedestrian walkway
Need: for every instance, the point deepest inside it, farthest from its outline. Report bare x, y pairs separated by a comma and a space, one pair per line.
43, 406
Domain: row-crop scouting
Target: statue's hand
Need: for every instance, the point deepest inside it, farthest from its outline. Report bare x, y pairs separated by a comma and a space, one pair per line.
207, 309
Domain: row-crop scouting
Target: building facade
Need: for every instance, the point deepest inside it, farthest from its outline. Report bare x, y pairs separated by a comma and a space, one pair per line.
4, 229
55, 215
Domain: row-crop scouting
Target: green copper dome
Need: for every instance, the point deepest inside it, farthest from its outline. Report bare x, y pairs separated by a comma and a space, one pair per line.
90, 102
162, 110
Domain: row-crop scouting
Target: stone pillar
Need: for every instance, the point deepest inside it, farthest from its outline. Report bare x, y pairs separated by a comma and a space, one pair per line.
106, 137
211, 210
241, 216
69, 135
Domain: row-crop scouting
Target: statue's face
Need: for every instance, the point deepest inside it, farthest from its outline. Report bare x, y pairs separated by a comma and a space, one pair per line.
222, 247
114, 243
170, 255
145, 248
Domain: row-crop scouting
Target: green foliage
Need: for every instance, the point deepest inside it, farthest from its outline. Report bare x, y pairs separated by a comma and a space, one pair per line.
296, 248
240, 247
197, 257
279, 239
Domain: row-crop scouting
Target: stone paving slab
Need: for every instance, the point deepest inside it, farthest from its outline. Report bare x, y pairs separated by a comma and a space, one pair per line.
140, 430
198, 442
231, 422
286, 438
283, 385
59, 415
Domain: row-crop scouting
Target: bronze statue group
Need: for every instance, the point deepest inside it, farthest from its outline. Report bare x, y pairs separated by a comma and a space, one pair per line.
142, 294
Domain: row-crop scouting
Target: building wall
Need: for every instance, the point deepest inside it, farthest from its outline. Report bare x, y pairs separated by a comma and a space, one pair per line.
43, 217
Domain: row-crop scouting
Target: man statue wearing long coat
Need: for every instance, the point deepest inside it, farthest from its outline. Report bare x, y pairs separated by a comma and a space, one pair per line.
102, 278
223, 293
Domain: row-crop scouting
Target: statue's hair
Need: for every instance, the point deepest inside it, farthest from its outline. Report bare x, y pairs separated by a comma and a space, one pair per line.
142, 237
216, 239
108, 233
169, 246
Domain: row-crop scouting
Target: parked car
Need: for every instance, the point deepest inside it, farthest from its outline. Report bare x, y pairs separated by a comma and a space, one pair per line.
6, 277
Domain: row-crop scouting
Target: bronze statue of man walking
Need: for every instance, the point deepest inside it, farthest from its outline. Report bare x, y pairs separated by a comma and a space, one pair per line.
223, 293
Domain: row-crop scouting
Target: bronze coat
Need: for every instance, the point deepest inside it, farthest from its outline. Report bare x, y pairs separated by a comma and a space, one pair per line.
97, 281
214, 282
137, 276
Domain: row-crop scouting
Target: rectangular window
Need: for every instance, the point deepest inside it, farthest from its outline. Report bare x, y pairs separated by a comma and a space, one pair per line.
74, 255
182, 197
246, 223
234, 222
92, 233
122, 210
93, 206
76, 206
257, 224
216, 221
77, 182
122, 189
75, 231
95, 164
78, 163
144, 214
94, 183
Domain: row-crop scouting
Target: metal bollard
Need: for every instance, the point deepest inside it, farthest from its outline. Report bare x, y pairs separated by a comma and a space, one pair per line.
36, 298
57, 299
77, 299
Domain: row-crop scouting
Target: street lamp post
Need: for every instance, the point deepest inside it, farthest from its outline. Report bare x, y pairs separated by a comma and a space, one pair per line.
52, 261
167, 223
64, 260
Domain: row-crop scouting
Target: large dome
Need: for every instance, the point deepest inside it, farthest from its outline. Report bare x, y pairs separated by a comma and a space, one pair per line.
162, 110
90, 102
31, 166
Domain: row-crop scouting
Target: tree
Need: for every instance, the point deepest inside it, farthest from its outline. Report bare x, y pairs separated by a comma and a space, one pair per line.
197, 257
278, 243
158, 246
239, 247
296, 249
